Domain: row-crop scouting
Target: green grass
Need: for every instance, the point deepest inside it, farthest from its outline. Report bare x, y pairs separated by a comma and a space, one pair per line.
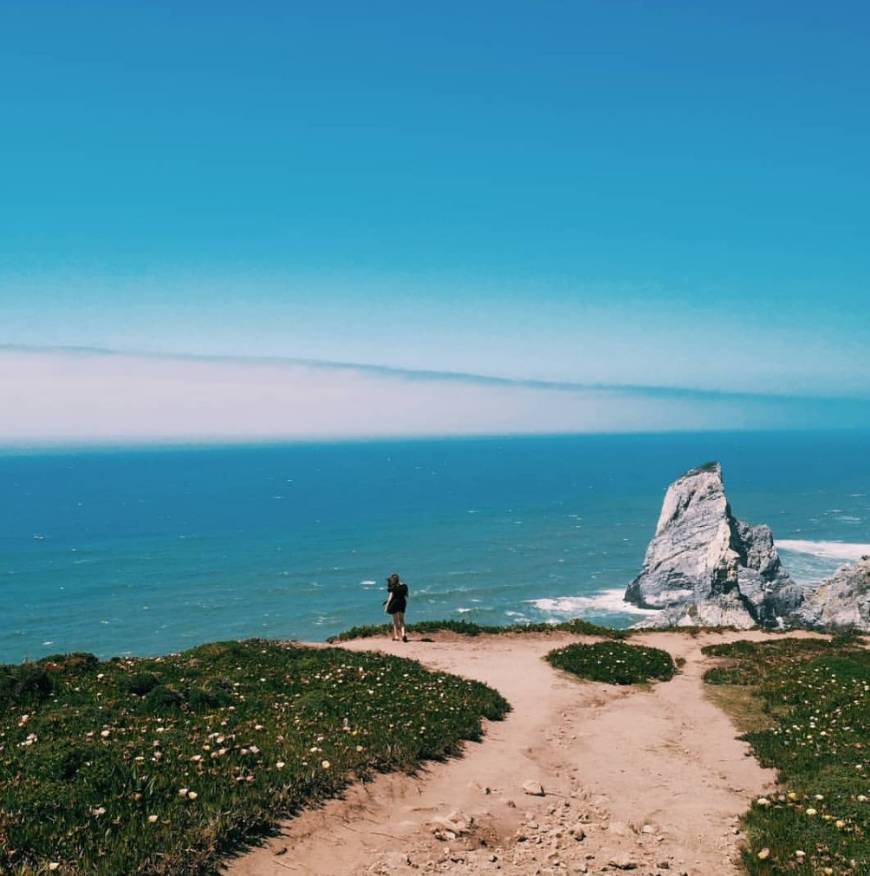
614, 662
464, 628
806, 707
94, 755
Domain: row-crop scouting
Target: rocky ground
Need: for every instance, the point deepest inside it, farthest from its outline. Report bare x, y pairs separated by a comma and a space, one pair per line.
580, 778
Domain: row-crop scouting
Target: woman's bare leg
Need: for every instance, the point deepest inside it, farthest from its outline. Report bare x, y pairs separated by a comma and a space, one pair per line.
399, 618
395, 618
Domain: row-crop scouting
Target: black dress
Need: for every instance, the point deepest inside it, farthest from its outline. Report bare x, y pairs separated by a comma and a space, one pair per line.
400, 599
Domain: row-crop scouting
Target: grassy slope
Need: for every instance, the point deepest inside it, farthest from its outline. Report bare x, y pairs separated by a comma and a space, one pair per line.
614, 662
464, 628
805, 705
94, 756
577, 626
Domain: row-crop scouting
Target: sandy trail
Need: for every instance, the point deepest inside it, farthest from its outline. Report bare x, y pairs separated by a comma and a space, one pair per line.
651, 780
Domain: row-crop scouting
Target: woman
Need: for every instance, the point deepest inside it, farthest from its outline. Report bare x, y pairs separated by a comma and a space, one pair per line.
397, 601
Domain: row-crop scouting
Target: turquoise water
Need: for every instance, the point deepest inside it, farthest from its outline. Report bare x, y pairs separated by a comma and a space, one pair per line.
147, 551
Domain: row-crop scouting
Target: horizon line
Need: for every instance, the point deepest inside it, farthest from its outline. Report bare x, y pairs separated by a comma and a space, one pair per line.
26, 446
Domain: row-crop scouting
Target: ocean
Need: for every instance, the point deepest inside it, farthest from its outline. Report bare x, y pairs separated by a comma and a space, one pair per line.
150, 550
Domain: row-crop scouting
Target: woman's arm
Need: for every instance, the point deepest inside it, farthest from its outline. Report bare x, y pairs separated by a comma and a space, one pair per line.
387, 603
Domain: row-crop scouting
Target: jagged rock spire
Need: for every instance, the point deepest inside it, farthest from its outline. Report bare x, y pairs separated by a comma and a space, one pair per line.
706, 567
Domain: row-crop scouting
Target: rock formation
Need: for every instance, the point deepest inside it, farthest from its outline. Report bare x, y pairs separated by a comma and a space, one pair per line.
704, 567
840, 602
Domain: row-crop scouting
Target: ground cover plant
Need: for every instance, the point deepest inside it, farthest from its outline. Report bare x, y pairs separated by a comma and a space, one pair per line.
806, 706
162, 765
614, 662
465, 628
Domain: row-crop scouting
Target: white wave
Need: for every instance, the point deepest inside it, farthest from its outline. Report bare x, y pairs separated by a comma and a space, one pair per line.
463, 610
368, 583
829, 550
610, 601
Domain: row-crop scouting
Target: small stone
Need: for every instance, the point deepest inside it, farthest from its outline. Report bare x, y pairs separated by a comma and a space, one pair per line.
623, 862
618, 828
647, 828
394, 860
533, 789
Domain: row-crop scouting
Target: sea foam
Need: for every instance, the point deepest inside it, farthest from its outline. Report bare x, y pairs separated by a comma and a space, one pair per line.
603, 602
829, 550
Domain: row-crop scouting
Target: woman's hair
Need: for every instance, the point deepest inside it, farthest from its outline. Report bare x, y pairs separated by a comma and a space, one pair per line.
393, 580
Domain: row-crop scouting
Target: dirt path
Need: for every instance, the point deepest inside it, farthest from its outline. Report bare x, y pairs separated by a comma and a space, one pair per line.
649, 780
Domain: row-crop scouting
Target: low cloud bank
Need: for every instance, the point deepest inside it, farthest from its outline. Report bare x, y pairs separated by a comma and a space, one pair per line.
95, 396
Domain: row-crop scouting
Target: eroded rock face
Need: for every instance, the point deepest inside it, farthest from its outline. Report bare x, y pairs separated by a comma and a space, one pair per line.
704, 567
840, 602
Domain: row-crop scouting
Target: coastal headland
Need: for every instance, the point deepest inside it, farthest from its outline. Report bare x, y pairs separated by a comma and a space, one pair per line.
578, 778
262, 758
727, 733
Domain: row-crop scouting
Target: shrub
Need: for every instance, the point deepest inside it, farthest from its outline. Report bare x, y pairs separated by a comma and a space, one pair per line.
24, 685
77, 663
614, 662
162, 699
141, 683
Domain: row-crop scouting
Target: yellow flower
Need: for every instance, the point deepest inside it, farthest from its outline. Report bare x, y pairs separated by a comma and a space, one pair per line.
764, 854
152, 819
325, 764
811, 811
192, 795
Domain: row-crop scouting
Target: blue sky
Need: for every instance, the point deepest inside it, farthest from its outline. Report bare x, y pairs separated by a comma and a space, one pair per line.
671, 194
